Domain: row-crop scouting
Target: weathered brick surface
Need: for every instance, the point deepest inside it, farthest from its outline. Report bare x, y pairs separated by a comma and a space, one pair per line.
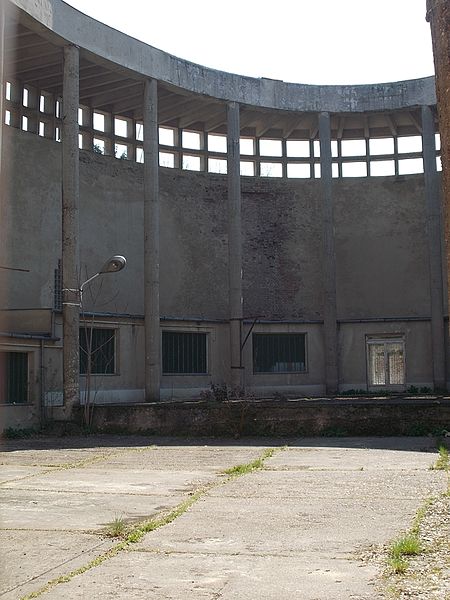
438, 14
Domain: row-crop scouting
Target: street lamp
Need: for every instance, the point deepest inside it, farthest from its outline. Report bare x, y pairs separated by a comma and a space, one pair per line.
71, 323
113, 265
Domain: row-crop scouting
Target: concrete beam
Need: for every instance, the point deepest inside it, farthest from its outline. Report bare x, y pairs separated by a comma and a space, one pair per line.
329, 257
70, 229
151, 243
61, 20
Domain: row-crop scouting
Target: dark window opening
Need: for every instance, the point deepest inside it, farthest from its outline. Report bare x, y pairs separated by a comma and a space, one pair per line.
184, 353
279, 352
97, 351
13, 377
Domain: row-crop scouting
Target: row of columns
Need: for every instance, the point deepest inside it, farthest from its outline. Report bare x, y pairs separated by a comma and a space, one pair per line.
71, 251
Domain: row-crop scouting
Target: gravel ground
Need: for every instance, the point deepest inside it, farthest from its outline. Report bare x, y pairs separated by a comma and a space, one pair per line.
428, 574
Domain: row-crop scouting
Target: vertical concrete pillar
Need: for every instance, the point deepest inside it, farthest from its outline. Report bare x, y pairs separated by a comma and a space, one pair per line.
433, 211
70, 228
151, 243
2, 80
329, 257
234, 243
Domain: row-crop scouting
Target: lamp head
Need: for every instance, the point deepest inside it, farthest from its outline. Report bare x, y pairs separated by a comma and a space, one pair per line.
114, 264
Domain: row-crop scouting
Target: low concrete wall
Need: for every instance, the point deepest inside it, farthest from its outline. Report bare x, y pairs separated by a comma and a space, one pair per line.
361, 416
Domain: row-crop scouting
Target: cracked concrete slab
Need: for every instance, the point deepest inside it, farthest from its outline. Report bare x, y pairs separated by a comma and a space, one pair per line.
292, 530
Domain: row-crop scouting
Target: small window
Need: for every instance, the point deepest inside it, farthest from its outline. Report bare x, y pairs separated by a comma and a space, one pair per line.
99, 121
184, 353
217, 143
166, 159
166, 136
354, 169
279, 352
386, 362
409, 166
217, 165
98, 146
379, 168
247, 146
300, 170
121, 151
269, 169
13, 377
247, 168
378, 146
269, 147
353, 147
411, 143
191, 139
297, 148
97, 351
191, 163
120, 127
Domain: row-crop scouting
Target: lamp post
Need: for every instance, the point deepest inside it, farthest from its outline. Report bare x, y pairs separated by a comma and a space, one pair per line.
113, 265
71, 360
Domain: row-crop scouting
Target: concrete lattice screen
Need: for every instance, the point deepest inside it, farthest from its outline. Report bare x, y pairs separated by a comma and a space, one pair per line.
39, 112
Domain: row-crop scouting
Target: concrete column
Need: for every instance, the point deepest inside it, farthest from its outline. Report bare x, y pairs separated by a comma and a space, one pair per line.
2, 78
70, 229
329, 258
151, 243
234, 243
434, 232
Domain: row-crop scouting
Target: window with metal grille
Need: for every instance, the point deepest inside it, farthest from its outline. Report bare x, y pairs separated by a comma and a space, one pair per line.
13, 377
97, 351
184, 353
386, 362
279, 352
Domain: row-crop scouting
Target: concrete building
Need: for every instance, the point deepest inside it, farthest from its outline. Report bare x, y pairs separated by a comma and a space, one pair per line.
280, 237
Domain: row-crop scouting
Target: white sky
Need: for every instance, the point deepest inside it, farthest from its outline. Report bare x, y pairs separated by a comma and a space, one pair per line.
303, 41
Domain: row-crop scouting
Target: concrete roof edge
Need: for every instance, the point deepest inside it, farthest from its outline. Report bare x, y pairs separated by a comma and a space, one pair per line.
146, 61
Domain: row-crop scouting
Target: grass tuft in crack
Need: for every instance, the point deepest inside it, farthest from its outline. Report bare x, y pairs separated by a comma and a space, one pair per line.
117, 528
245, 468
407, 545
443, 461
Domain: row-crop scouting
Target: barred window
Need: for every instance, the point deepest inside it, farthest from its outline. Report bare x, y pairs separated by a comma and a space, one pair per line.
97, 351
13, 377
184, 353
279, 352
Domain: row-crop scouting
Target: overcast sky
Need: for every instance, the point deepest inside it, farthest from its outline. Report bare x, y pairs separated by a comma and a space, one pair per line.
303, 41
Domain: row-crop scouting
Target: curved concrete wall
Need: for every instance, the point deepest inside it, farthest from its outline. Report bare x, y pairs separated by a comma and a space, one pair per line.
144, 60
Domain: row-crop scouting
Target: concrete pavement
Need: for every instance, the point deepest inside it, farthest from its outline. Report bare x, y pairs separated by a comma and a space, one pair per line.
292, 530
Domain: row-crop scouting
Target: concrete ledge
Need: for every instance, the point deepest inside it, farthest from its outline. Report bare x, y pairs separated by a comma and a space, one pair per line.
318, 416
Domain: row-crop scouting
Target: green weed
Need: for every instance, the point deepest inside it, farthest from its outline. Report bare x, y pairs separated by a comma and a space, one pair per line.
443, 462
245, 468
398, 565
116, 528
408, 545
